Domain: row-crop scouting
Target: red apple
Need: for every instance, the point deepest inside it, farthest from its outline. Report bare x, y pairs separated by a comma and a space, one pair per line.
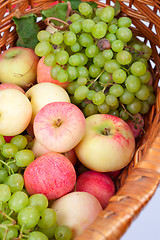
98, 184
136, 124
44, 75
108, 143
59, 126
8, 138
10, 86
18, 65
52, 174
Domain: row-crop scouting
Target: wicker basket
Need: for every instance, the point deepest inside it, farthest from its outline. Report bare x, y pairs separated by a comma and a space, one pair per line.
138, 181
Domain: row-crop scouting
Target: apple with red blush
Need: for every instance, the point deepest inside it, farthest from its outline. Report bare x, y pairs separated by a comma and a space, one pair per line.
10, 86
98, 184
52, 174
107, 145
59, 126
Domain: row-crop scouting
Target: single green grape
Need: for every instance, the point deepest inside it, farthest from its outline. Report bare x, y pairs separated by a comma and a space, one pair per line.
75, 27
151, 99
145, 107
72, 87
82, 71
74, 60
5, 193
69, 38
24, 157
72, 73
20, 141
111, 100
28, 217
85, 39
124, 22
99, 30
124, 34
90, 109
9, 150
94, 71
91, 51
81, 92
112, 28
103, 108
15, 182
135, 106
85, 9
112, 66
3, 174
132, 83
98, 98
114, 112
54, 71
98, 12
127, 97
119, 76
75, 17
123, 57
62, 57
18, 201
83, 59
76, 47
90, 94
99, 60
107, 54
116, 90
124, 115
48, 218
50, 60
44, 35
138, 68
145, 77
111, 37
37, 235
43, 48
87, 25
63, 233
57, 38
143, 93
105, 78
117, 45
38, 200
82, 81
107, 14
62, 76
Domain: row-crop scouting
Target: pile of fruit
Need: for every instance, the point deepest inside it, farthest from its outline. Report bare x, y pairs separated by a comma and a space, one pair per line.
71, 111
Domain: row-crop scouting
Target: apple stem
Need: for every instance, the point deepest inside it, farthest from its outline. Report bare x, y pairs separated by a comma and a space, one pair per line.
58, 122
106, 132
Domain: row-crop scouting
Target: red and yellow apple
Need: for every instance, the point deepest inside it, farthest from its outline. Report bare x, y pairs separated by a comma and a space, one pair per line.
107, 145
59, 126
52, 174
18, 65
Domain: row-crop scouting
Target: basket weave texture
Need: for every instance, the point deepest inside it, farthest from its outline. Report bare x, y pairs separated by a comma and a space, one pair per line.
139, 180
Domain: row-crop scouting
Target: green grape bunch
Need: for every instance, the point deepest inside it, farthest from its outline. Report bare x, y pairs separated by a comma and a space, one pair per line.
23, 216
105, 65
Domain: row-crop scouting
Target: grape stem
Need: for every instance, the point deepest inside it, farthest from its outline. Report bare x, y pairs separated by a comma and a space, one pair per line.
95, 79
49, 23
9, 169
7, 217
134, 118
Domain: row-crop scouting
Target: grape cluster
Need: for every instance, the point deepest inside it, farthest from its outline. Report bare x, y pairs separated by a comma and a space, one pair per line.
23, 216
105, 65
